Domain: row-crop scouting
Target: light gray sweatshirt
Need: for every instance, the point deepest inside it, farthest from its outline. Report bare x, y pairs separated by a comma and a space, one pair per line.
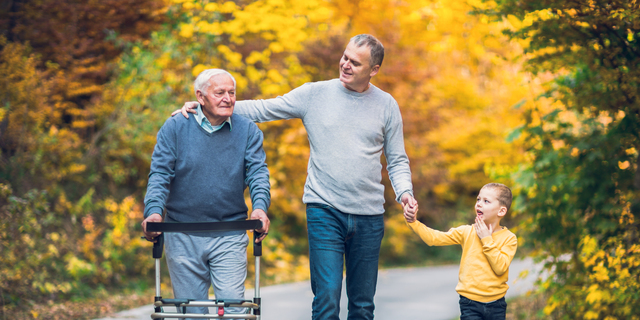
347, 131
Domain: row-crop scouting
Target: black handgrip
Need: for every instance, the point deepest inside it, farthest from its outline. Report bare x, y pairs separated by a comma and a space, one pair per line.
157, 246
203, 226
257, 247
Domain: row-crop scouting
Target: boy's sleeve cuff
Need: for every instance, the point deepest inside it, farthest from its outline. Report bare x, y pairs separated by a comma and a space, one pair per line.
487, 240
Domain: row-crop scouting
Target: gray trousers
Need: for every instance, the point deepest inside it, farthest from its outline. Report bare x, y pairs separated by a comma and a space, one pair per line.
195, 263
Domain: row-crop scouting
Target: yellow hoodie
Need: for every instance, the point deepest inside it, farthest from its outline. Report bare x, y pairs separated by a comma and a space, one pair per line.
484, 265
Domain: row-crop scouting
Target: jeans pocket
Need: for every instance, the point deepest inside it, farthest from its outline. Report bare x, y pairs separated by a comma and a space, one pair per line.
464, 301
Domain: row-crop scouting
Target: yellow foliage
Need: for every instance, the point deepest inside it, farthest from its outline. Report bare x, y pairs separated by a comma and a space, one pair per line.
77, 267
186, 30
211, 7
397, 233
549, 308
612, 269
228, 7
594, 294
198, 69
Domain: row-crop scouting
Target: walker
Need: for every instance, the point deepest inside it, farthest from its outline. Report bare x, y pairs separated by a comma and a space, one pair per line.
182, 304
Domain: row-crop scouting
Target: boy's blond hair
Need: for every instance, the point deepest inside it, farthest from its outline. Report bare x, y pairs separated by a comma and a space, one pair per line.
504, 193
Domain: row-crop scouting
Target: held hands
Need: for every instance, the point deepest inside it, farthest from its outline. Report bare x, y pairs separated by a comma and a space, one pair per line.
259, 214
481, 228
150, 236
409, 207
188, 107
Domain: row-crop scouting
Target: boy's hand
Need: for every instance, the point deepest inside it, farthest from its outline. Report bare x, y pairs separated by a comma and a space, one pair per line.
481, 228
188, 107
409, 207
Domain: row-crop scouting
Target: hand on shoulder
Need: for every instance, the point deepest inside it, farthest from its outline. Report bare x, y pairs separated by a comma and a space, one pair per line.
188, 107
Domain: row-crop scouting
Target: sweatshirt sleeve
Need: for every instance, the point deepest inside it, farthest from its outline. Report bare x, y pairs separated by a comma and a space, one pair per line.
162, 170
500, 257
257, 173
437, 238
289, 106
394, 152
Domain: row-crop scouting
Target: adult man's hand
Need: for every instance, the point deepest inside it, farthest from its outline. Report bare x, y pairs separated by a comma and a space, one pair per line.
154, 217
409, 207
188, 107
259, 214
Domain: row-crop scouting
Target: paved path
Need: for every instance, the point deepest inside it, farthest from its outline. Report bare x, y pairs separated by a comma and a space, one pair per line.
409, 293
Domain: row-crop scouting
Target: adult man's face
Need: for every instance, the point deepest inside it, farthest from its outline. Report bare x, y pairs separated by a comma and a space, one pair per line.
355, 70
218, 100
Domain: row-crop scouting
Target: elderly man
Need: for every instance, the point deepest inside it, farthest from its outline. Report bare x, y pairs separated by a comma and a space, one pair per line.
350, 123
199, 171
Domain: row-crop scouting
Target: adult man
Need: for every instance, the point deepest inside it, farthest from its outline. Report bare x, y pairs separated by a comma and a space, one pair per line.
349, 122
199, 170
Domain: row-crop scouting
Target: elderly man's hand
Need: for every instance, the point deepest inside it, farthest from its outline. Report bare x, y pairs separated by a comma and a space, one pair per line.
188, 107
259, 214
155, 217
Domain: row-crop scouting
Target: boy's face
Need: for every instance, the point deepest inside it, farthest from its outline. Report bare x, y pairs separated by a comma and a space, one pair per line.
488, 206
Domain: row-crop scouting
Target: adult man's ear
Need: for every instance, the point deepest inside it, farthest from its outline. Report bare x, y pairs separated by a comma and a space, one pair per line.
374, 70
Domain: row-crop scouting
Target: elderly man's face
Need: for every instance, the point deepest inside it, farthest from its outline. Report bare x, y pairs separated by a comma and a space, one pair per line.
219, 100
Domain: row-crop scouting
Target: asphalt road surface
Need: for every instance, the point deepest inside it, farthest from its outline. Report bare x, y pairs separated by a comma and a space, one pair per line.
408, 293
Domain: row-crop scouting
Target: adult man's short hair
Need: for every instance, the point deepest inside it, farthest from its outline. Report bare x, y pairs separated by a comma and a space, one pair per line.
377, 50
504, 193
202, 81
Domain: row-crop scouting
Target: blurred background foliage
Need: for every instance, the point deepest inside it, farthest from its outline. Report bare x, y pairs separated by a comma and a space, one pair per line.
540, 95
578, 191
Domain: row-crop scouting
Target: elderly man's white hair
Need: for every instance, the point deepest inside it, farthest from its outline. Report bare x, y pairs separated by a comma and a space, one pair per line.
202, 81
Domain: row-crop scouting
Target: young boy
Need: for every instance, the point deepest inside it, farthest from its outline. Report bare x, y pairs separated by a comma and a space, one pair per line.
487, 251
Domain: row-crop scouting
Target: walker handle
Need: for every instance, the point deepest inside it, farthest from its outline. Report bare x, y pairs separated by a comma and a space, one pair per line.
157, 246
257, 247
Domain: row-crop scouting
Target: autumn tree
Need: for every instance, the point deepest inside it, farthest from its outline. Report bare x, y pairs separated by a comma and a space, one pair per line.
579, 191
65, 226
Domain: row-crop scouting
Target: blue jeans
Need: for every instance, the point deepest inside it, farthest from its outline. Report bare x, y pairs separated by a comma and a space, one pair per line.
337, 239
474, 310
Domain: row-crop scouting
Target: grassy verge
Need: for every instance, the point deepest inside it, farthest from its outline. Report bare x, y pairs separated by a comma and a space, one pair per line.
527, 307
100, 306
